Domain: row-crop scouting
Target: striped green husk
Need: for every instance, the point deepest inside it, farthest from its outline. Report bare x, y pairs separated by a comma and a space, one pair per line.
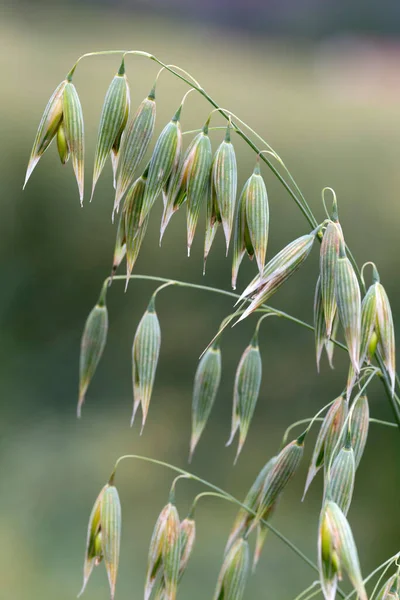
74, 132
385, 332
175, 190
327, 438
329, 254
114, 116
145, 352
91, 559
164, 156
252, 501
171, 553
62, 145
93, 342
329, 344
277, 271
48, 126
120, 245
111, 533
134, 234
390, 589
234, 572
246, 391
212, 221
198, 175
257, 216
359, 426
134, 143
224, 173
287, 462
348, 299
343, 545
154, 560
319, 323
242, 240
206, 384
339, 483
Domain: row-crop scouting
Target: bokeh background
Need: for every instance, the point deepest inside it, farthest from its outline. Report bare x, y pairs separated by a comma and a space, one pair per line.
321, 82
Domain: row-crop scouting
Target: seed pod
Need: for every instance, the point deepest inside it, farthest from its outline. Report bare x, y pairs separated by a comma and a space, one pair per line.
62, 145
206, 384
93, 552
224, 173
329, 254
212, 221
337, 552
154, 561
234, 572
110, 516
348, 299
339, 483
74, 132
252, 501
257, 216
385, 332
287, 462
120, 245
277, 271
327, 438
175, 190
165, 153
134, 234
114, 116
187, 536
242, 242
368, 321
319, 322
171, 553
359, 425
92, 345
246, 391
390, 589
145, 352
134, 143
198, 175
48, 127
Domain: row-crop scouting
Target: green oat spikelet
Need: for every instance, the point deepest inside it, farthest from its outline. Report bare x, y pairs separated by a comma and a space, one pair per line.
327, 438
234, 572
110, 518
93, 550
92, 344
120, 246
145, 353
74, 132
134, 143
329, 254
212, 220
390, 589
224, 174
134, 234
62, 146
165, 153
114, 116
284, 468
337, 552
48, 127
206, 384
198, 175
282, 266
339, 482
348, 299
359, 426
246, 391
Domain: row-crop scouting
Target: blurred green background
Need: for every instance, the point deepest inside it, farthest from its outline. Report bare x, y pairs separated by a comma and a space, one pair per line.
331, 109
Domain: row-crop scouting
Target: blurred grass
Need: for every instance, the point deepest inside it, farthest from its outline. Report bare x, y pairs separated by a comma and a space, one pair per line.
55, 255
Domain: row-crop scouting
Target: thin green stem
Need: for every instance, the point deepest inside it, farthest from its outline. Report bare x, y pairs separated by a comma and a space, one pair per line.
307, 590
203, 495
227, 496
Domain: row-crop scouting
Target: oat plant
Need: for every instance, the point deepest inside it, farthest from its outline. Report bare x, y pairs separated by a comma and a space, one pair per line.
205, 180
